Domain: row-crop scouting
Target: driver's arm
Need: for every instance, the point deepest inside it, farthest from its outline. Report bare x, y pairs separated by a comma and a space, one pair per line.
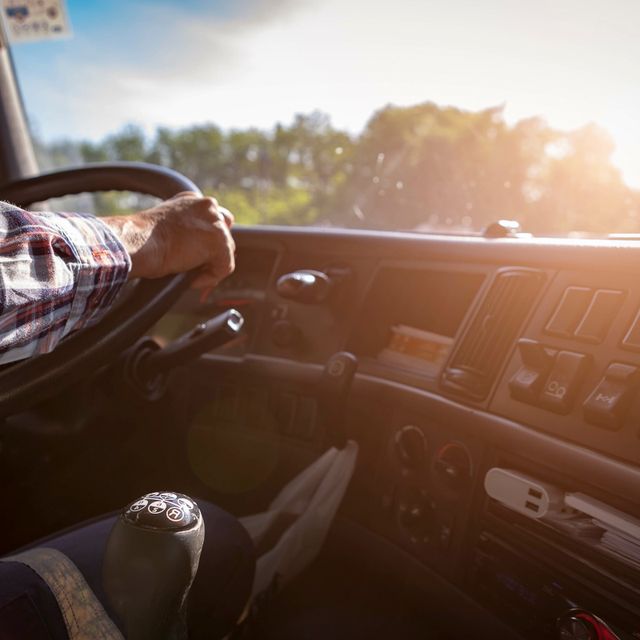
62, 271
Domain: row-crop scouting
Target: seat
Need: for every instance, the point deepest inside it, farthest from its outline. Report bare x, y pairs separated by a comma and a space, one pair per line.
217, 598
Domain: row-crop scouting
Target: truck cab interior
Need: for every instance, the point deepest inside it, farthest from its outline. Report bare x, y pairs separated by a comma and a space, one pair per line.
491, 382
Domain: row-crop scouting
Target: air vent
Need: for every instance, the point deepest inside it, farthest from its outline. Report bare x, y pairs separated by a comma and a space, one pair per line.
475, 364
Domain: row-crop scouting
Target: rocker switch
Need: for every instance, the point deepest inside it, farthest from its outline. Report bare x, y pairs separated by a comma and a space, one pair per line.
601, 312
563, 381
572, 308
537, 361
608, 403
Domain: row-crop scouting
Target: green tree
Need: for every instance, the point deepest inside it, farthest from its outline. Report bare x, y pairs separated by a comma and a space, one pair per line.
423, 167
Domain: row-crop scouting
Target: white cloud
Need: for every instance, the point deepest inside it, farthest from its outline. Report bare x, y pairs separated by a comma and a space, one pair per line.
569, 62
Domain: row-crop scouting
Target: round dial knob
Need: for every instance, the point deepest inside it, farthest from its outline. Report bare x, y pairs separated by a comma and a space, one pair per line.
453, 465
578, 624
411, 447
163, 510
575, 628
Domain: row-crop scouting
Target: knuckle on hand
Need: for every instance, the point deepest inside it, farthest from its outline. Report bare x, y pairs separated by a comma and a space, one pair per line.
209, 204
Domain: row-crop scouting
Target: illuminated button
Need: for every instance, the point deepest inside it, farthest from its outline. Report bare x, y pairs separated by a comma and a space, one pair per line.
608, 403
603, 309
570, 311
562, 383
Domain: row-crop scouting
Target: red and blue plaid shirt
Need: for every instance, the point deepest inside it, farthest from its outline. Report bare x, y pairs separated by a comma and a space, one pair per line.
58, 272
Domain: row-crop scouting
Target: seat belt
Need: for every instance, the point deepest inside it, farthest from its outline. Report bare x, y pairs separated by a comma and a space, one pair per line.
83, 614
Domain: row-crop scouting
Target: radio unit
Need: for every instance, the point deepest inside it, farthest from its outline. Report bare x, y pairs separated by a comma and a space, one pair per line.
541, 594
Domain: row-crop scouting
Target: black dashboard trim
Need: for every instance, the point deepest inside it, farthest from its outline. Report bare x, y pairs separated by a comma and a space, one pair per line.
607, 474
546, 253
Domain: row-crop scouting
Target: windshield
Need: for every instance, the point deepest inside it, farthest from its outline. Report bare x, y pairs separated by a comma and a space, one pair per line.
405, 115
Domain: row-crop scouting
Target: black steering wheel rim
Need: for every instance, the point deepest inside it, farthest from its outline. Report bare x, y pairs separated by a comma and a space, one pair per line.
27, 382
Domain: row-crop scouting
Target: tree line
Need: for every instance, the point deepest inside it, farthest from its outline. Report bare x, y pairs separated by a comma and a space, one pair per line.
424, 167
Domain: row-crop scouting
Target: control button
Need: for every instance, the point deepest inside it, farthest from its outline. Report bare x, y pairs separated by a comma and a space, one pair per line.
609, 401
445, 528
537, 361
562, 383
570, 311
600, 314
575, 628
632, 339
416, 515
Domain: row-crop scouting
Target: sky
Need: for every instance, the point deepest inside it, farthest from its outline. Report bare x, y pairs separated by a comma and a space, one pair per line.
242, 63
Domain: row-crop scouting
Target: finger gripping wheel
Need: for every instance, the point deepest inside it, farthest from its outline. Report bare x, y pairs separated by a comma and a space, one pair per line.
150, 562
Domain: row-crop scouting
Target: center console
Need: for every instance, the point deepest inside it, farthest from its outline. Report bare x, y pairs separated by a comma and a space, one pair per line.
424, 490
553, 577
547, 594
508, 355
575, 375
548, 578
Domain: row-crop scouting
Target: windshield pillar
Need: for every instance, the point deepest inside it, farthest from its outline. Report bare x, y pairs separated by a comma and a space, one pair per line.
17, 157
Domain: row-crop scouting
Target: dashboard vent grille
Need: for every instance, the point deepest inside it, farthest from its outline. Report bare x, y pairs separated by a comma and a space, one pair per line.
475, 364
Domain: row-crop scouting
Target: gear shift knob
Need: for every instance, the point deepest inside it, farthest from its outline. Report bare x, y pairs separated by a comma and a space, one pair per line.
150, 562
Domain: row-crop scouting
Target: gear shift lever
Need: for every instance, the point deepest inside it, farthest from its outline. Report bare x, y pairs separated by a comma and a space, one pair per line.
150, 562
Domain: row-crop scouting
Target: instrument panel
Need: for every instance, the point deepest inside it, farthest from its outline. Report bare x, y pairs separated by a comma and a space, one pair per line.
575, 370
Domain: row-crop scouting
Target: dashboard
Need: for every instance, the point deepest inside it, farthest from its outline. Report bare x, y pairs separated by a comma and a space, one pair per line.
519, 357
570, 363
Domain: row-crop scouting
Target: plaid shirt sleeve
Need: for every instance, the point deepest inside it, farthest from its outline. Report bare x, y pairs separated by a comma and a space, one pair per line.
58, 272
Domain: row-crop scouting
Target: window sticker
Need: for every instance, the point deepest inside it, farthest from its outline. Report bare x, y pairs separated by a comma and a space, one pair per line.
33, 20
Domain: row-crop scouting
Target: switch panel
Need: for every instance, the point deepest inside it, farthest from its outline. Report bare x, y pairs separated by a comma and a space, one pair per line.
547, 378
608, 403
563, 381
603, 309
571, 310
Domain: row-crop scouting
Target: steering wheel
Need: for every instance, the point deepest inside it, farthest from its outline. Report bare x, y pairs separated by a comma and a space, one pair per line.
82, 353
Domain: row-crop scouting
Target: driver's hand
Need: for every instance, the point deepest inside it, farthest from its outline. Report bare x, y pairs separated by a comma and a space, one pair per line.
183, 233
